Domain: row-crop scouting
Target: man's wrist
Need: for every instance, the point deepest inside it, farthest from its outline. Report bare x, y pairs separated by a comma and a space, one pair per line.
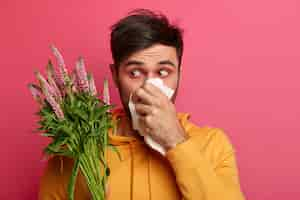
178, 141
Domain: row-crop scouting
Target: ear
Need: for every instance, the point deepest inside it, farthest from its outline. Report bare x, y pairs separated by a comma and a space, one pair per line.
114, 73
179, 73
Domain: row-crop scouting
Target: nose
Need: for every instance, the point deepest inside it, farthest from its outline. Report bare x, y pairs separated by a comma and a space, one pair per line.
150, 75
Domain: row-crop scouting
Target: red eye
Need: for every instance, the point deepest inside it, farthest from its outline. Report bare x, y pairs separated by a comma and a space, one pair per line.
135, 73
163, 72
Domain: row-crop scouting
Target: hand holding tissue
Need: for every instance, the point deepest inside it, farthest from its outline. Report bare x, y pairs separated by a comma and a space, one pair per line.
135, 116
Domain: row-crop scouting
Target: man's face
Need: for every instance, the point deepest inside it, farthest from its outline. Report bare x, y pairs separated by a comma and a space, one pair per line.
157, 61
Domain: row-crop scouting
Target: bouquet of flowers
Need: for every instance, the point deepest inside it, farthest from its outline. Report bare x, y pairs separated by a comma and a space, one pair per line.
76, 121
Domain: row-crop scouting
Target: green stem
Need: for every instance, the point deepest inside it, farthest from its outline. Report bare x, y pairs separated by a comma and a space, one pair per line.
71, 186
96, 191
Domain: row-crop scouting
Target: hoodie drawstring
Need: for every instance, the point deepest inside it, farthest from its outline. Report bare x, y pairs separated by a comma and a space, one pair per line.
149, 175
131, 171
116, 114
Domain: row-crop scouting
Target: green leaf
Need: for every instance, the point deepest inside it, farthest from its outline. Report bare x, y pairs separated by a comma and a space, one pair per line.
47, 134
57, 143
115, 150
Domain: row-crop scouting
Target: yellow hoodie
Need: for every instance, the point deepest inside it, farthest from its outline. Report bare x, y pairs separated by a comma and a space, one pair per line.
201, 168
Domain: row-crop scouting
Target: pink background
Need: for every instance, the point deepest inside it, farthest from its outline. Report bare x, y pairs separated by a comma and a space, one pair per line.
240, 72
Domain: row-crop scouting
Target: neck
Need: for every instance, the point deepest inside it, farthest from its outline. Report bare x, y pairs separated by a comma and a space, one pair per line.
124, 127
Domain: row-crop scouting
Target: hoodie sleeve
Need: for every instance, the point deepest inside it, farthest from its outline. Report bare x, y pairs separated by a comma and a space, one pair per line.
55, 179
205, 165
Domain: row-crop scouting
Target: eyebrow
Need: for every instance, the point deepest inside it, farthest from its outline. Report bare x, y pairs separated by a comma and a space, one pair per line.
139, 63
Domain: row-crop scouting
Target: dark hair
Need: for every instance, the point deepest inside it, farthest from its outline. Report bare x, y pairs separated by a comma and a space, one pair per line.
141, 29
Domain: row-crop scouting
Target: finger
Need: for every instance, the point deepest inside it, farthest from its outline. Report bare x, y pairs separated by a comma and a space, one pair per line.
143, 109
147, 121
152, 89
142, 96
145, 129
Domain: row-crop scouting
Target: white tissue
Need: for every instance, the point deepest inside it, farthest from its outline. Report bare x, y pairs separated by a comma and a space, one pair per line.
135, 117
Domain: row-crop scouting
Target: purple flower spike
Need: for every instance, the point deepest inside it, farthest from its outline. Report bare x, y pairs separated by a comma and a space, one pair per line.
43, 82
106, 97
36, 93
81, 76
92, 86
63, 75
50, 75
54, 105
74, 82
58, 79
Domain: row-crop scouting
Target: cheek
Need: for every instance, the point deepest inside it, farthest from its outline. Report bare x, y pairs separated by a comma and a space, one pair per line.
128, 85
172, 81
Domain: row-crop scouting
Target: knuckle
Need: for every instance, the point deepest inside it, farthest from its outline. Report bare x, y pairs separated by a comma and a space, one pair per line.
154, 111
148, 119
159, 102
137, 106
146, 86
138, 91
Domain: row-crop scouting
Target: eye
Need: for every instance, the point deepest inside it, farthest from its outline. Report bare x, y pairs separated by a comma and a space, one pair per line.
135, 73
163, 73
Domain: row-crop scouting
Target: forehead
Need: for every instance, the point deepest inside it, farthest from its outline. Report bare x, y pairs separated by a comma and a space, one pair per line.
155, 54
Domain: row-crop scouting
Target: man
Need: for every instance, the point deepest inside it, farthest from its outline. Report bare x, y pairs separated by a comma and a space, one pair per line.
199, 162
